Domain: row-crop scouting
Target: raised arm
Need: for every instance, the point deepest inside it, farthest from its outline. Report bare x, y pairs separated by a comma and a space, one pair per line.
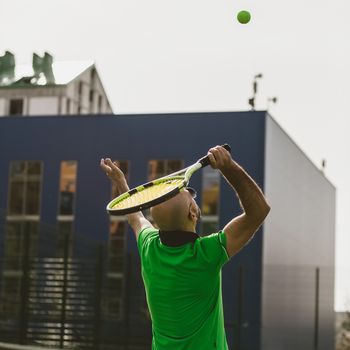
241, 229
137, 221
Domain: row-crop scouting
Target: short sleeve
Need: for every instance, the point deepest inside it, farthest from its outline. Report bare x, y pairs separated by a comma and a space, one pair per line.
144, 236
213, 249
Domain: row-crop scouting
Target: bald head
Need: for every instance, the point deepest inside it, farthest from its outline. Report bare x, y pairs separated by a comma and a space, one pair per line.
178, 213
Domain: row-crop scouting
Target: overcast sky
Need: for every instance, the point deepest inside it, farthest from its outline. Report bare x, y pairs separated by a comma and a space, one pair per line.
191, 55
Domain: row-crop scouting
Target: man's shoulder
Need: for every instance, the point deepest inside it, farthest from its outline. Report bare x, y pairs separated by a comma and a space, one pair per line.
213, 248
145, 235
216, 237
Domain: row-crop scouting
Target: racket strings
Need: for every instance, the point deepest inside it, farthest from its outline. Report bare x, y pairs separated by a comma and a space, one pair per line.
148, 194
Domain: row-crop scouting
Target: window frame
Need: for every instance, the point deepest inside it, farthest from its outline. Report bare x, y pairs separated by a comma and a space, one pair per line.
210, 218
22, 99
24, 216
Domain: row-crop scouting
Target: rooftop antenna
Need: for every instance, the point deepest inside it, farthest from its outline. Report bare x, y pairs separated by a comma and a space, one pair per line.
274, 100
251, 101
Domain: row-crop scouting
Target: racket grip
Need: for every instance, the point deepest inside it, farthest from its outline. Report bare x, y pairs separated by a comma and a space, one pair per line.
205, 160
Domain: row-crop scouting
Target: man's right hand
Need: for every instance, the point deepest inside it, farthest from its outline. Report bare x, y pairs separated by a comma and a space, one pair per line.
111, 169
114, 174
136, 220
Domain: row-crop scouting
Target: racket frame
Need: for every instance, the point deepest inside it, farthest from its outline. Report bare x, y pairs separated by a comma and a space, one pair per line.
187, 173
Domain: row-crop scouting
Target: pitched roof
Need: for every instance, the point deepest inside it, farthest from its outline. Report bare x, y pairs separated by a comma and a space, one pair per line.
63, 72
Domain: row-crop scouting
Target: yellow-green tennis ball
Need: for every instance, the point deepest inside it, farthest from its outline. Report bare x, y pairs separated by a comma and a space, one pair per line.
243, 17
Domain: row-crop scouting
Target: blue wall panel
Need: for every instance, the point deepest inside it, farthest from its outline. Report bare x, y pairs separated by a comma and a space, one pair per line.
138, 138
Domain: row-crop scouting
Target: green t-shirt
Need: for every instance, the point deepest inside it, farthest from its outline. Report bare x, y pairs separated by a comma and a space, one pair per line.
183, 290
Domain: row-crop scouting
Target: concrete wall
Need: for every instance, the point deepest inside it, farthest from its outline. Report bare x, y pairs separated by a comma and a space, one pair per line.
53, 100
89, 82
43, 105
299, 236
2, 106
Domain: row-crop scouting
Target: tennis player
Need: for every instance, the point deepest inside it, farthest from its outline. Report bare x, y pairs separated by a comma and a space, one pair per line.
182, 270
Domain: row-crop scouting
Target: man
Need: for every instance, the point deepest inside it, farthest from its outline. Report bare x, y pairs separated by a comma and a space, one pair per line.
181, 270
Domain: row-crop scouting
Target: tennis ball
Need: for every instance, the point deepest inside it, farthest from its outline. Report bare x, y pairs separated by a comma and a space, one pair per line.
243, 17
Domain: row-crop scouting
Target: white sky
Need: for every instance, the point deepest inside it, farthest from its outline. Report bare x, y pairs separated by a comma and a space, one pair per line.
191, 55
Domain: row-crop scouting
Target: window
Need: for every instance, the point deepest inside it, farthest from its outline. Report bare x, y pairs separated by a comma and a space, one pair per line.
117, 236
210, 200
80, 88
67, 187
24, 188
10, 297
21, 228
16, 107
118, 228
117, 232
99, 103
65, 218
159, 168
92, 75
21, 238
64, 238
112, 302
68, 106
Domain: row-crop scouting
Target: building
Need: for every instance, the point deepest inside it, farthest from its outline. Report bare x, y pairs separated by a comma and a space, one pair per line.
342, 330
50, 88
278, 292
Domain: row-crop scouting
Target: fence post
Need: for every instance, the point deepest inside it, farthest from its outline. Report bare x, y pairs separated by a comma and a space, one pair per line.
240, 308
23, 329
317, 303
98, 297
127, 289
64, 289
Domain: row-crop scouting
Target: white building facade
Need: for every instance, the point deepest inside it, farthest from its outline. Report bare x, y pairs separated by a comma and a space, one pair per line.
50, 88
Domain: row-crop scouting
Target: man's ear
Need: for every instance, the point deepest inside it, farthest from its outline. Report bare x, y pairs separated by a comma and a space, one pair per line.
192, 213
199, 213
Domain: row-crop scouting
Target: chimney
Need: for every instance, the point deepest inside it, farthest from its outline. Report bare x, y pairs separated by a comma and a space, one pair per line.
43, 66
7, 68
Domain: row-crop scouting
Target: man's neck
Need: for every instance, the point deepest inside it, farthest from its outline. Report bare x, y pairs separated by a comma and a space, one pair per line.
187, 228
177, 238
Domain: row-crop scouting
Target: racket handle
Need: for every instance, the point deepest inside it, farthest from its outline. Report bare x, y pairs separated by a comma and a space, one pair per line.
205, 160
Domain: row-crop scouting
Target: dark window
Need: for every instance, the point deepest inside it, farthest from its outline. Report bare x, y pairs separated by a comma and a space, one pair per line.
159, 168
116, 257
16, 107
80, 88
210, 191
24, 188
67, 187
21, 238
116, 251
210, 200
68, 106
92, 75
100, 103
64, 238
91, 95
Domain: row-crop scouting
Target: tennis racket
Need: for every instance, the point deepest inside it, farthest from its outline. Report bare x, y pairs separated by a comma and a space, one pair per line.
156, 191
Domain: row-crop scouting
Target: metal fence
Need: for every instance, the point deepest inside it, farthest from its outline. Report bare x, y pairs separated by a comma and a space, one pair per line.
58, 292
